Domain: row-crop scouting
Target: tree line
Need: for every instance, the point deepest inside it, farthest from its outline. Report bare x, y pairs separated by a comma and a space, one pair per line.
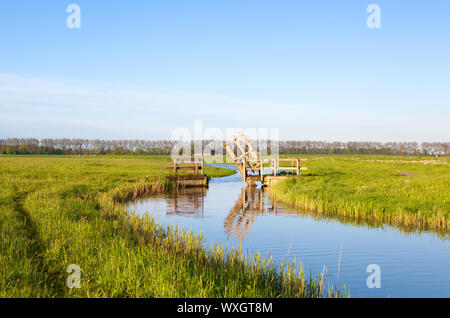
66, 146
365, 147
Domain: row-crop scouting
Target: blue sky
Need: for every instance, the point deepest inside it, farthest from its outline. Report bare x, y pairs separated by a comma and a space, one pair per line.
139, 69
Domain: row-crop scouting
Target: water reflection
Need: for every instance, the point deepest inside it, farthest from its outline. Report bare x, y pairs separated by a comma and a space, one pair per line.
188, 201
231, 214
252, 201
183, 202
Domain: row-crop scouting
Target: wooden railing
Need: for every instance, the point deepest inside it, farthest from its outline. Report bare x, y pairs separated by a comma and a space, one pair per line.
257, 166
295, 165
197, 167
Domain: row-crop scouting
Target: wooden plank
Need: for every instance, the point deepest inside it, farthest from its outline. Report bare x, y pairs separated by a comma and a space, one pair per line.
186, 168
234, 157
261, 172
278, 168
275, 167
230, 151
287, 168
244, 177
247, 154
292, 159
240, 168
202, 167
236, 142
252, 152
182, 168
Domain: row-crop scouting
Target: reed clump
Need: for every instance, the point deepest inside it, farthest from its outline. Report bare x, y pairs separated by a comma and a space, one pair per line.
142, 189
407, 194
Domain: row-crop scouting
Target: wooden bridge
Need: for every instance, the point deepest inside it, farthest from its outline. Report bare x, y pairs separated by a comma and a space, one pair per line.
252, 167
198, 179
196, 167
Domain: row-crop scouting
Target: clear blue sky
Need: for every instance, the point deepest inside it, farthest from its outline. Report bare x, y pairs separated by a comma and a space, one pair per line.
138, 69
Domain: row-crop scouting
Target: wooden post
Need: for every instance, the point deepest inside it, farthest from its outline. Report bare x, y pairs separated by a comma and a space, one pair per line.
244, 176
195, 166
261, 200
175, 166
298, 166
195, 202
261, 171
203, 166
275, 167
203, 204
234, 157
243, 200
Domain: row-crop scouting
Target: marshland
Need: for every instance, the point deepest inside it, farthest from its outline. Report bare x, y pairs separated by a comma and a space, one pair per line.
134, 234
58, 211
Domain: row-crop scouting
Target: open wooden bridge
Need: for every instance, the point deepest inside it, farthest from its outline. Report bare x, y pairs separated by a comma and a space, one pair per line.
252, 167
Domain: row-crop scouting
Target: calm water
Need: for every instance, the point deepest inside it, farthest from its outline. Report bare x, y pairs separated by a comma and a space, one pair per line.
411, 265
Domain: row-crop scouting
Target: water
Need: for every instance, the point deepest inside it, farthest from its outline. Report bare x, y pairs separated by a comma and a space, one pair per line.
412, 265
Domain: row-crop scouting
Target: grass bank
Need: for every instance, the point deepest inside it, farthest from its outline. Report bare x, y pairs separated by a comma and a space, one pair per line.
411, 193
57, 211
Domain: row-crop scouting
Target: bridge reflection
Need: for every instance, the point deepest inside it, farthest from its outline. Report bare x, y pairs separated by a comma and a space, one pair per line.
187, 202
252, 202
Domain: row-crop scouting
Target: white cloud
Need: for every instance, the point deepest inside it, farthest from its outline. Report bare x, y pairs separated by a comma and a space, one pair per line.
35, 107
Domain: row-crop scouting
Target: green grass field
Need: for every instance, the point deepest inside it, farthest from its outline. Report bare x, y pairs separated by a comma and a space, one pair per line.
57, 211
412, 193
